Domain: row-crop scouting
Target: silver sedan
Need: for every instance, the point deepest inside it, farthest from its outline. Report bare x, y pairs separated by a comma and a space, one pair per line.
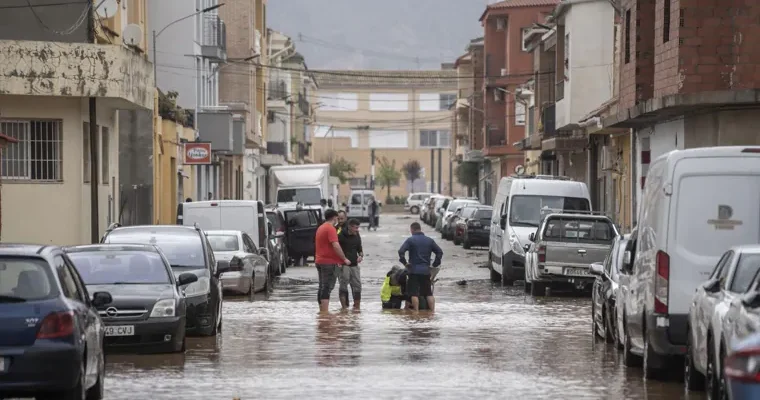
249, 270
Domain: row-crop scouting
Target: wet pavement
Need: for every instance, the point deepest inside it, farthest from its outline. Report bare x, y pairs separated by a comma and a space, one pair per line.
483, 342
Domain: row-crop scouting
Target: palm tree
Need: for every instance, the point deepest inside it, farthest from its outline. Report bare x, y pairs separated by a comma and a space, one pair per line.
387, 176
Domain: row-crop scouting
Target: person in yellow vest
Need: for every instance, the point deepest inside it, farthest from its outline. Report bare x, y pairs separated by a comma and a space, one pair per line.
393, 291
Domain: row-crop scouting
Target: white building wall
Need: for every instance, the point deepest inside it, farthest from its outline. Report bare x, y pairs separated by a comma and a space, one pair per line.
59, 213
657, 140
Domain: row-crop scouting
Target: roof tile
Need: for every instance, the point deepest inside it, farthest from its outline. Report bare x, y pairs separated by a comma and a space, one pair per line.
523, 3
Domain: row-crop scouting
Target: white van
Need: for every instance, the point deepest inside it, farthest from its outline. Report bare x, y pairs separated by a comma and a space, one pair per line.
358, 204
413, 203
236, 215
517, 210
695, 205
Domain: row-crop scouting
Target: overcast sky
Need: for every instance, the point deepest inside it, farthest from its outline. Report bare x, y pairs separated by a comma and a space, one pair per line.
372, 34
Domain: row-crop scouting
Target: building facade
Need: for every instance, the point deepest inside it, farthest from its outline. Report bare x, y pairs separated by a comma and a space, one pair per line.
366, 116
66, 67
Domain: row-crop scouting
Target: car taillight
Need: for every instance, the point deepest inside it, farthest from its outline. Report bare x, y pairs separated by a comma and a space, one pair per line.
661, 283
541, 253
743, 365
57, 325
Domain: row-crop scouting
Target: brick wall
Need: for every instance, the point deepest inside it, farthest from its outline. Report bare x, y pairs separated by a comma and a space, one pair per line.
637, 61
477, 139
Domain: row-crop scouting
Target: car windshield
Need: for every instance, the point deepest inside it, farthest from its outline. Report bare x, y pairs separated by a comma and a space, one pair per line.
619, 252
528, 210
224, 242
307, 196
483, 213
274, 220
579, 230
458, 203
301, 218
24, 278
120, 267
746, 269
182, 248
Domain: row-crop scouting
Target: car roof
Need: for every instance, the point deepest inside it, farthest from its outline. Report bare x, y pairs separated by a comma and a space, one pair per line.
747, 248
223, 232
22, 249
112, 247
155, 228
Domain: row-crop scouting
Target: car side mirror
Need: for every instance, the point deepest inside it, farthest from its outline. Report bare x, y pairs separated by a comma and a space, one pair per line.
186, 279
279, 234
711, 286
100, 299
526, 247
751, 300
270, 231
596, 269
264, 253
532, 237
503, 222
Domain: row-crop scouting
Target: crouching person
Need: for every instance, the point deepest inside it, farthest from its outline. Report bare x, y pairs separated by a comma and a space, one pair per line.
393, 292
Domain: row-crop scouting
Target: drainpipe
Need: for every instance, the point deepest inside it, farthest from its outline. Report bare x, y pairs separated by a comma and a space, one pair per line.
94, 202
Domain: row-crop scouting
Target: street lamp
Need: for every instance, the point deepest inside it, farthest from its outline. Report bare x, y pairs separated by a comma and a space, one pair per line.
156, 35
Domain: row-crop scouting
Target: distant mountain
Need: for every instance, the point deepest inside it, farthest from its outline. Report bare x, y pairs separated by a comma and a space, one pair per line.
372, 34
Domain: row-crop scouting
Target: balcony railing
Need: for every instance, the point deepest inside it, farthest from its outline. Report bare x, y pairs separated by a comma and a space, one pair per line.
278, 90
496, 137
548, 118
214, 37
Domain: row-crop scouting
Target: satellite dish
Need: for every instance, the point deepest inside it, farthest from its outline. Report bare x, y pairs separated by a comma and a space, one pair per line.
107, 9
132, 35
519, 170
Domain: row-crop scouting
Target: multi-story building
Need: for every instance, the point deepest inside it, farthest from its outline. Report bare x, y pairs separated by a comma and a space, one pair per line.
507, 65
364, 116
688, 77
242, 83
67, 70
190, 40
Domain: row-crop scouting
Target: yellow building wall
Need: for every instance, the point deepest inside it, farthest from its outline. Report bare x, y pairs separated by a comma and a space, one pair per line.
188, 183
623, 188
165, 185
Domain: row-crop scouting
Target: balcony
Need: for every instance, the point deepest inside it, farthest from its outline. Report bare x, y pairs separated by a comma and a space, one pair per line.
548, 118
214, 38
113, 73
496, 142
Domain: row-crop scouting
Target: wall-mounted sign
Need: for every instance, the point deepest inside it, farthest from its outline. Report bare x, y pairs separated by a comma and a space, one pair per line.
197, 153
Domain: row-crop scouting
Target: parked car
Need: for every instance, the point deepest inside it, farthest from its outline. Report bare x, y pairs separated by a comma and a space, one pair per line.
682, 235
629, 252
301, 224
706, 343
51, 336
743, 317
447, 230
742, 369
148, 311
448, 208
247, 269
517, 213
188, 251
473, 227
428, 209
605, 292
278, 237
563, 248
414, 202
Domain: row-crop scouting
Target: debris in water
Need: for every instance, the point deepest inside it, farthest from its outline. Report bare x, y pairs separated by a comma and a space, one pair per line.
462, 282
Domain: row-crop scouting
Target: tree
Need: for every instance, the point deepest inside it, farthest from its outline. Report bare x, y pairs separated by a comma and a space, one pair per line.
467, 175
341, 168
387, 175
412, 170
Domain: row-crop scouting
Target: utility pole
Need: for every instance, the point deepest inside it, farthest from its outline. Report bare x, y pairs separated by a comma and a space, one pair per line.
440, 170
372, 169
94, 202
432, 170
451, 175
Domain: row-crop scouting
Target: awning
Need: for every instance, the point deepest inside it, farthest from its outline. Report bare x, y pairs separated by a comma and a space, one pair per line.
567, 143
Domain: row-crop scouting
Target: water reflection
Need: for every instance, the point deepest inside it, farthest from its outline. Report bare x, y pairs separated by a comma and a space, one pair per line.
339, 339
149, 362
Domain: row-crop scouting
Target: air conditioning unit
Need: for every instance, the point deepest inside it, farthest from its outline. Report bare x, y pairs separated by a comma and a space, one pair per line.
608, 158
503, 72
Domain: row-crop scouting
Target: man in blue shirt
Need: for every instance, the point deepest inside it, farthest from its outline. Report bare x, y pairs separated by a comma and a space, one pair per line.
420, 247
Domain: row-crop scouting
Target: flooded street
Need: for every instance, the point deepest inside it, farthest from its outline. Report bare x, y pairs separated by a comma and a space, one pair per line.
483, 342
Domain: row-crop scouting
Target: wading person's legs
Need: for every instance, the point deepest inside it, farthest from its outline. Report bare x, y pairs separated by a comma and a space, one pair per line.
344, 278
413, 290
327, 276
354, 279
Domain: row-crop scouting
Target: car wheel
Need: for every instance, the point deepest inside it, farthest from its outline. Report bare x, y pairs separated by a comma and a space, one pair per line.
182, 345
538, 289
594, 329
629, 359
96, 392
650, 372
495, 276
78, 392
414, 210
466, 243
711, 378
457, 242
609, 324
608, 335
506, 280
692, 378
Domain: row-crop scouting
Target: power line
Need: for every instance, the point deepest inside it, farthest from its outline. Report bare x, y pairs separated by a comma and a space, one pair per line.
82, 18
28, 5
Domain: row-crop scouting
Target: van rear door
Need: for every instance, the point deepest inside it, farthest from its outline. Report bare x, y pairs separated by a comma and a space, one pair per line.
713, 206
208, 215
241, 217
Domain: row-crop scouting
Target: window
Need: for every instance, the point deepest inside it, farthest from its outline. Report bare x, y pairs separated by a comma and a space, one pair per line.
388, 139
746, 269
447, 100
249, 244
567, 56
27, 278
666, 22
436, 101
106, 268
68, 284
105, 155
519, 113
86, 152
627, 38
37, 155
223, 242
501, 24
339, 101
435, 139
388, 102
328, 132
357, 182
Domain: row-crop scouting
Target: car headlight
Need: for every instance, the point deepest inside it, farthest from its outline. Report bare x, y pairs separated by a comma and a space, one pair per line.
201, 287
164, 308
516, 246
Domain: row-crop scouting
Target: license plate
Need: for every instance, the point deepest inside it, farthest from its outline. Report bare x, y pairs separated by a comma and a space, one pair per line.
121, 330
577, 271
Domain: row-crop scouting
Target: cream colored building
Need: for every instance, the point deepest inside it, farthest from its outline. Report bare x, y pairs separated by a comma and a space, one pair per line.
401, 115
46, 79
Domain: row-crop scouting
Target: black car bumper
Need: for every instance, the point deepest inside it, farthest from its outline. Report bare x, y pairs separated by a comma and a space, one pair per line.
513, 266
478, 238
201, 315
46, 366
154, 335
664, 333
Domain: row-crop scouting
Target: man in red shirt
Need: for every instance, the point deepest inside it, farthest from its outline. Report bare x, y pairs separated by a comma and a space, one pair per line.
329, 258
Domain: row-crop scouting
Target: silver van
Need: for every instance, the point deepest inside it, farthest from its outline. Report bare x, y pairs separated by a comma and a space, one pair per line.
517, 213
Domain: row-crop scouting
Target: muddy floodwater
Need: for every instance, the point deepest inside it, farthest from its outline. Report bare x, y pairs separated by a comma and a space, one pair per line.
484, 341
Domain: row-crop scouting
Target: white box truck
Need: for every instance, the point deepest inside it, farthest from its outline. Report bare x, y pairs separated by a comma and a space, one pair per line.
305, 183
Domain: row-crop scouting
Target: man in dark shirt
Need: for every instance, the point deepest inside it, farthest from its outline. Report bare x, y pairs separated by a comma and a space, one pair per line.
420, 248
351, 243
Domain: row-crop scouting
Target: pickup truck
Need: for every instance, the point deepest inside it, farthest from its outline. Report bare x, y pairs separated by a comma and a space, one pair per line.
563, 248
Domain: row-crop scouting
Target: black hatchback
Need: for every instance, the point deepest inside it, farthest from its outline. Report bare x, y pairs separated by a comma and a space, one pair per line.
148, 310
188, 251
474, 228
